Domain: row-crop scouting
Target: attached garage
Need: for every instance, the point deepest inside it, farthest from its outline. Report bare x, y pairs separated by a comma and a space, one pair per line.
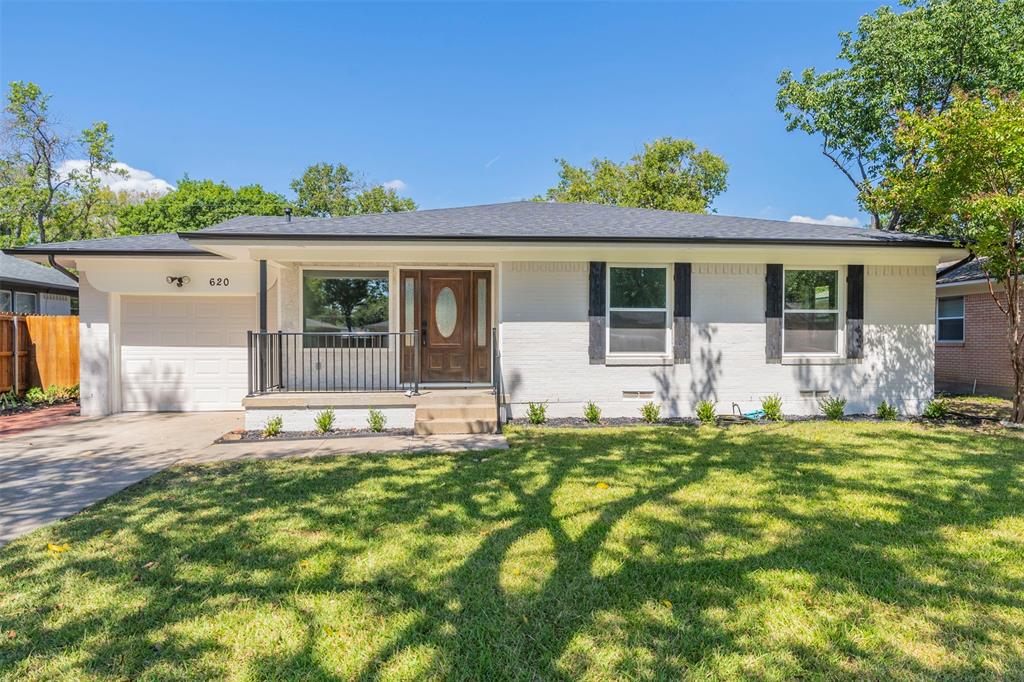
184, 353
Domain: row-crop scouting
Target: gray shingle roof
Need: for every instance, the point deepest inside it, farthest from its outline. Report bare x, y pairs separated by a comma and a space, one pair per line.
16, 270
155, 244
541, 221
967, 272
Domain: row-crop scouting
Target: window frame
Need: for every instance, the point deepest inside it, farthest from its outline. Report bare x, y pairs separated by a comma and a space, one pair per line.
392, 277
962, 317
14, 302
608, 309
10, 298
839, 310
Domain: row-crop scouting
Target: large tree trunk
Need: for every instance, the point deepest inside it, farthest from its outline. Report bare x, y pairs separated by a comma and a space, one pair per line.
1015, 337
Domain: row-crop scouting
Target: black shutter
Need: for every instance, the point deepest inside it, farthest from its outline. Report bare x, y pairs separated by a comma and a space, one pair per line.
596, 312
682, 295
855, 311
773, 313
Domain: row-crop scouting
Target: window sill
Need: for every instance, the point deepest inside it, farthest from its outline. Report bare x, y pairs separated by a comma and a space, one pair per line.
638, 360
955, 344
819, 360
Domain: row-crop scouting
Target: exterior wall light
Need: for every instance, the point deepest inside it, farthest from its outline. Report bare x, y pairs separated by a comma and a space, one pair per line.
179, 281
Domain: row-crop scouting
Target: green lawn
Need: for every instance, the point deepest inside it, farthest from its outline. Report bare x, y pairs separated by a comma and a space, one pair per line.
813, 550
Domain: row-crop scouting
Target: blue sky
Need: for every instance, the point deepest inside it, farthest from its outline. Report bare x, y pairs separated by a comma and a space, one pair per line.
463, 103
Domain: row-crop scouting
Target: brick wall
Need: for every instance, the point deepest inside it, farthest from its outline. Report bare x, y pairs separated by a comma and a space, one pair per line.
983, 356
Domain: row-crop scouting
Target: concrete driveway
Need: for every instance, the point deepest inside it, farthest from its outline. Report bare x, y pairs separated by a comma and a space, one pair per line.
51, 473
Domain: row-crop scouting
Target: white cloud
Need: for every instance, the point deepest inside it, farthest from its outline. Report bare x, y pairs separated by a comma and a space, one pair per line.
132, 180
396, 184
830, 219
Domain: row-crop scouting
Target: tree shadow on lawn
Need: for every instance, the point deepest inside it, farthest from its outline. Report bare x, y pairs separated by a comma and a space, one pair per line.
771, 552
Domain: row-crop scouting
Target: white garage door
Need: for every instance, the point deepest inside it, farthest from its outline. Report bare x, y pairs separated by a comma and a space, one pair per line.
184, 353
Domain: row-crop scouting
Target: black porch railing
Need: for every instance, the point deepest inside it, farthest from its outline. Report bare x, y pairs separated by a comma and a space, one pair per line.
499, 389
343, 362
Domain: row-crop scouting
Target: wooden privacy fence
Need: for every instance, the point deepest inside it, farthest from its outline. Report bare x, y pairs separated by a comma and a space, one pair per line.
38, 350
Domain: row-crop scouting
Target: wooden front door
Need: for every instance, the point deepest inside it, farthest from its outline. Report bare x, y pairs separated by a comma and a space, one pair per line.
451, 308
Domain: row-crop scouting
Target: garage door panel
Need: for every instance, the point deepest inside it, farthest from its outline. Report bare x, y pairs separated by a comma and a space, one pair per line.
184, 354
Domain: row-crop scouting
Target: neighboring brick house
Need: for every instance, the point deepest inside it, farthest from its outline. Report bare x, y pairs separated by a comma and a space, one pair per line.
971, 352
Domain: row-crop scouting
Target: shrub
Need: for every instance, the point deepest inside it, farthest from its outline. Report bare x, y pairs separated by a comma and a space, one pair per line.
937, 409
35, 396
650, 412
886, 412
324, 421
56, 394
591, 412
537, 413
8, 401
73, 392
832, 407
706, 412
772, 406
273, 427
376, 421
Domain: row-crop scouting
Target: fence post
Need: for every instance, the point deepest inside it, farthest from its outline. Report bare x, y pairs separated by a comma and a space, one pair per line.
15, 357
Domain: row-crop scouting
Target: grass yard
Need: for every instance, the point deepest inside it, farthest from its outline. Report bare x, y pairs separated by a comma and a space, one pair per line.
811, 550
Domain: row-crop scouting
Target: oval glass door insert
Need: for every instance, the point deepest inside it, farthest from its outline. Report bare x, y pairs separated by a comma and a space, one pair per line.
445, 312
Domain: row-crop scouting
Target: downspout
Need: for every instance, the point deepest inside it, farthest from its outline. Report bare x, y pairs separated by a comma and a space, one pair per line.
959, 264
52, 260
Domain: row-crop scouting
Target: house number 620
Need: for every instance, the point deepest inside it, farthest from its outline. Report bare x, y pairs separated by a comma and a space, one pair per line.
219, 281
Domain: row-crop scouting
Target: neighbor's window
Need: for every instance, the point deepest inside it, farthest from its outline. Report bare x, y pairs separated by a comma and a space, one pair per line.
26, 304
949, 319
811, 312
6, 302
335, 301
637, 310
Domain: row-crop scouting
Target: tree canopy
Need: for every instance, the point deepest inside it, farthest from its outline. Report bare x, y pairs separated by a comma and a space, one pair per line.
669, 173
962, 174
326, 190
899, 62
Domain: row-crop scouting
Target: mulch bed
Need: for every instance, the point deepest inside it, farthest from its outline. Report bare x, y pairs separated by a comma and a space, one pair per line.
243, 436
32, 417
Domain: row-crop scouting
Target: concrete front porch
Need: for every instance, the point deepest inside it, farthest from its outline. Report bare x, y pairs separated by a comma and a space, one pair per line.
432, 411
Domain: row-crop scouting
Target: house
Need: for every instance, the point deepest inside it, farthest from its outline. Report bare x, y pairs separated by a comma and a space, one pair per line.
27, 288
556, 303
972, 354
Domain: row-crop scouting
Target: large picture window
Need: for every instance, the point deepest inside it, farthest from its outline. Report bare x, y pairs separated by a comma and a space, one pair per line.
811, 312
949, 319
637, 309
335, 301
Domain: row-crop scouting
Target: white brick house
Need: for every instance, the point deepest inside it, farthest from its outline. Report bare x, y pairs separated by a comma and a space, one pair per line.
557, 303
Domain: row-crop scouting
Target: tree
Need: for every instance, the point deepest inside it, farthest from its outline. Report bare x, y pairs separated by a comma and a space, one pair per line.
668, 174
962, 174
196, 204
326, 190
48, 191
898, 62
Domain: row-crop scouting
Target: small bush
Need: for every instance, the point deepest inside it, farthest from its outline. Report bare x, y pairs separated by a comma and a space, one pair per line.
73, 392
886, 412
937, 409
56, 394
35, 396
706, 412
832, 407
591, 412
376, 421
650, 413
537, 413
9, 400
772, 406
273, 427
324, 421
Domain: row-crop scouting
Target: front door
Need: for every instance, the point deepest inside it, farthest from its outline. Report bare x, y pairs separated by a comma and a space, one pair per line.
452, 309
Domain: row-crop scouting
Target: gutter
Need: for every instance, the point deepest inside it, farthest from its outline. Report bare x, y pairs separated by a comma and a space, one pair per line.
52, 260
568, 240
959, 264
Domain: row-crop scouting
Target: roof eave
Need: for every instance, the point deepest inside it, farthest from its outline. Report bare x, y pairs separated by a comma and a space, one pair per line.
212, 236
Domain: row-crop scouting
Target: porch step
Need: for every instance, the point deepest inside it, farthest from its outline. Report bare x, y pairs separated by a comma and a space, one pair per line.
433, 427
444, 413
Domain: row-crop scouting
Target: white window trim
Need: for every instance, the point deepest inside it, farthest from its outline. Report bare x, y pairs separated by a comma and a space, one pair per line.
962, 317
14, 302
393, 280
840, 311
669, 288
